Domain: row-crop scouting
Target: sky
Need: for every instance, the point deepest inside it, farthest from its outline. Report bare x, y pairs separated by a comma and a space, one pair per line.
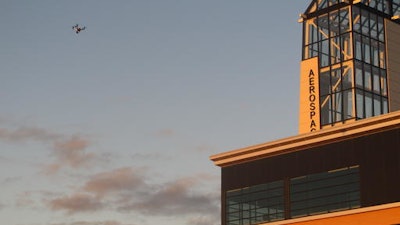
115, 125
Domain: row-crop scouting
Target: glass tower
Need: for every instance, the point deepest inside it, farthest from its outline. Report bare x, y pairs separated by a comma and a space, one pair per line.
350, 67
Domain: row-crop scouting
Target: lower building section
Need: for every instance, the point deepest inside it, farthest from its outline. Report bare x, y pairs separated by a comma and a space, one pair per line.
311, 194
330, 176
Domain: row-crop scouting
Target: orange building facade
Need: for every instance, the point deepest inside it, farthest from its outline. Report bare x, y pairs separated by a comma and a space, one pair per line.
382, 215
344, 165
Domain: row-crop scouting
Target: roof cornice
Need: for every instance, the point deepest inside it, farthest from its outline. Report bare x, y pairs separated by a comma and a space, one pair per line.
304, 141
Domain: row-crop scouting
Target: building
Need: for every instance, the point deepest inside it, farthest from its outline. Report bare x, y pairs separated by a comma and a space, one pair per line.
344, 165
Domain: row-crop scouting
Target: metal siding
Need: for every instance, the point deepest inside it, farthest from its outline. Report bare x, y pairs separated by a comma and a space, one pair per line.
393, 63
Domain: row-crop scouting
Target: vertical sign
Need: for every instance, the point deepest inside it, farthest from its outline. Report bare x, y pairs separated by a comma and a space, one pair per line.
309, 113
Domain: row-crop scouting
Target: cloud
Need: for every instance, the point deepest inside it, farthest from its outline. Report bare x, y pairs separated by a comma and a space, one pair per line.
79, 202
165, 133
204, 148
68, 151
71, 152
101, 189
149, 156
204, 220
27, 133
108, 222
128, 190
25, 199
116, 181
177, 197
10, 180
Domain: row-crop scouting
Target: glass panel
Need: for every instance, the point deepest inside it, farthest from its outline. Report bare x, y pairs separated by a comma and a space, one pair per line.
381, 29
323, 27
383, 83
380, 6
376, 80
358, 46
382, 60
367, 78
326, 116
344, 20
366, 50
348, 104
375, 53
364, 23
324, 53
377, 105
385, 105
373, 26
325, 192
386, 8
346, 47
359, 75
311, 32
372, 4
336, 80
334, 23
368, 105
322, 4
337, 107
396, 7
360, 104
325, 83
255, 204
335, 50
356, 20
347, 80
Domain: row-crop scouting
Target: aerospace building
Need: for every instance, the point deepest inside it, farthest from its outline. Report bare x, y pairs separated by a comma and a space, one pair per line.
344, 165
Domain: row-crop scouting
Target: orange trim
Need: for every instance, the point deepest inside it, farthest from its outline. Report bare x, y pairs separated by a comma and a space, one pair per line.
388, 214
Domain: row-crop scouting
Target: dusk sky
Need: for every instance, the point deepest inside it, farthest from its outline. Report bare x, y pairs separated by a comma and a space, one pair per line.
115, 125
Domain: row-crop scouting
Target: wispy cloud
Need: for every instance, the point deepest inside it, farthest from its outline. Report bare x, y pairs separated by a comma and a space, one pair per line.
27, 133
10, 180
176, 197
70, 153
165, 133
204, 220
78, 202
149, 156
108, 222
129, 190
102, 189
67, 151
204, 148
116, 181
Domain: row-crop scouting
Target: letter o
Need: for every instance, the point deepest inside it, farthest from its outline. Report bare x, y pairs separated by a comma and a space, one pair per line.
312, 98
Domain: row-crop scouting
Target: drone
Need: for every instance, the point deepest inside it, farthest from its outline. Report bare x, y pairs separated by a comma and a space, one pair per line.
78, 29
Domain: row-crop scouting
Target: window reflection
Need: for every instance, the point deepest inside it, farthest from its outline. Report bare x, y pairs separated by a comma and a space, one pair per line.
325, 192
255, 204
351, 51
311, 194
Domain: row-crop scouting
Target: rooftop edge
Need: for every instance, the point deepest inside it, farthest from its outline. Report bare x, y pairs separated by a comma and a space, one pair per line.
299, 142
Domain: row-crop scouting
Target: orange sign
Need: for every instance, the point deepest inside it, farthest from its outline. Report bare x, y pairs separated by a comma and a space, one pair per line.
309, 113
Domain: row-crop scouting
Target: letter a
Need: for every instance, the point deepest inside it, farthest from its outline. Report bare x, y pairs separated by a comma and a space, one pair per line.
311, 73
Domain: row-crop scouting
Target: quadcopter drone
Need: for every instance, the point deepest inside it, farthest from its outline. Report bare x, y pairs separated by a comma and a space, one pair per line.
78, 29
